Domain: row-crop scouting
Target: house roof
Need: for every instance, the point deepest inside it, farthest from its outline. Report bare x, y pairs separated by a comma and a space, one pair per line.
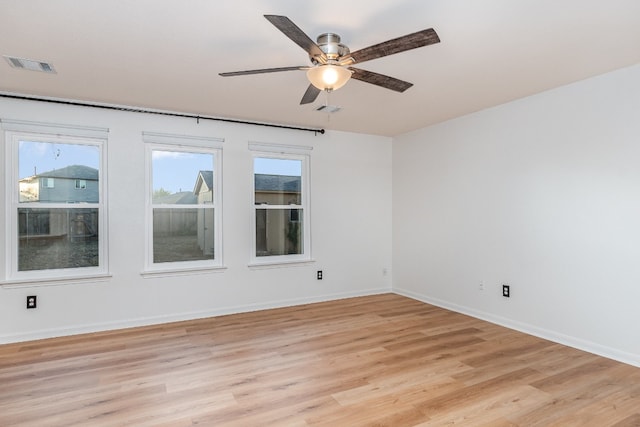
181, 198
72, 172
264, 182
207, 177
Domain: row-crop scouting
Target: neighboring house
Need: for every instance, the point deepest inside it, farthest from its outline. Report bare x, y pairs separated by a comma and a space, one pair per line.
69, 185
277, 189
270, 190
203, 190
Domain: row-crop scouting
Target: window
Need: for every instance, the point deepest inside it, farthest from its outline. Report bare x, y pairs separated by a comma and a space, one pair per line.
81, 184
280, 208
55, 232
184, 207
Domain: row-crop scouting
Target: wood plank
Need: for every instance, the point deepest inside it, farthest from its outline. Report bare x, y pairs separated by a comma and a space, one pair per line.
376, 360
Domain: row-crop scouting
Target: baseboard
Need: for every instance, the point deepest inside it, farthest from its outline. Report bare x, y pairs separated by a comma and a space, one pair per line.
578, 343
178, 317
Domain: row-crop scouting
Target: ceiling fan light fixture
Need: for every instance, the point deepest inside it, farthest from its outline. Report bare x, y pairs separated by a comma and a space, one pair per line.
328, 76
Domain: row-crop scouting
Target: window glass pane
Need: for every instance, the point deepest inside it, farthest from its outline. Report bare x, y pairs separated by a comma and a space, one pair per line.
277, 181
49, 172
57, 238
182, 177
279, 232
183, 234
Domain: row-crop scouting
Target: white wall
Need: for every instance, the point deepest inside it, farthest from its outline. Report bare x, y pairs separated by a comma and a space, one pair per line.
543, 194
351, 232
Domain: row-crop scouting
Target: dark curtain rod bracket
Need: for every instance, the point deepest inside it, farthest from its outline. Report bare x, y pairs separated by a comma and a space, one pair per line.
160, 113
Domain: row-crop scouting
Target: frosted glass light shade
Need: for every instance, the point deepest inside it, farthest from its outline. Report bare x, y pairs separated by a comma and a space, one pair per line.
328, 77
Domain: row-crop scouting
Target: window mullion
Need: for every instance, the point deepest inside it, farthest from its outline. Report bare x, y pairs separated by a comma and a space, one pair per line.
265, 206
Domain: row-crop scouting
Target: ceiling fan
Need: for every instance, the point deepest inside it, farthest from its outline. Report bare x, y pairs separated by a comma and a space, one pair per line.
332, 61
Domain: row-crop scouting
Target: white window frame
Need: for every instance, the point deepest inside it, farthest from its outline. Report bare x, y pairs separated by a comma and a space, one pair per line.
283, 152
14, 132
184, 144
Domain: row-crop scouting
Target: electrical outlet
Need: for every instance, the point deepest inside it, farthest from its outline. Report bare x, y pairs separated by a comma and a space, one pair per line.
481, 285
319, 275
506, 291
32, 301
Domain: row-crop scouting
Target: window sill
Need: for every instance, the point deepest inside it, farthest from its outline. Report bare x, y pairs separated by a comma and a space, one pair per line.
59, 281
257, 265
170, 272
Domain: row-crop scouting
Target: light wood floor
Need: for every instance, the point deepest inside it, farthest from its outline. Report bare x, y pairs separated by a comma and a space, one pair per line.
383, 360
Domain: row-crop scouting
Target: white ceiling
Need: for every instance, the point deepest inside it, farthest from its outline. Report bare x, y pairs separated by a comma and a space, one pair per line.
166, 54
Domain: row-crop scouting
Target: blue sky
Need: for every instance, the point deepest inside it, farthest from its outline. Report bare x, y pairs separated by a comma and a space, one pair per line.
172, 171
177, 171
277, 166
39, 157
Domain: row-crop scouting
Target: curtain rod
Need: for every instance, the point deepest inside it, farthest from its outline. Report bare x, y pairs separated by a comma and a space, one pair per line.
161, 113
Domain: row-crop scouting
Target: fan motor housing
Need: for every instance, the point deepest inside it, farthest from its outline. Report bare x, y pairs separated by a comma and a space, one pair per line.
330, 44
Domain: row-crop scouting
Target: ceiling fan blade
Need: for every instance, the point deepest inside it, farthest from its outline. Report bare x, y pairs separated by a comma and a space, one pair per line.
310, 95
262, 71
401, 44
380, 80
298, 36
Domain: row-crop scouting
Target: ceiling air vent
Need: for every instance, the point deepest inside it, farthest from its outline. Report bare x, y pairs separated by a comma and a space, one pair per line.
329, 109
30, 64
